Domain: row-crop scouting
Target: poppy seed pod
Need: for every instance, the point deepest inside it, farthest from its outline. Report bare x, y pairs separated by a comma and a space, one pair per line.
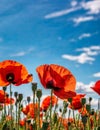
4, 88
70, 100
88, 107
20, 97
90, 99
28, 99
34, 87
39, 93
15, 94
83, 101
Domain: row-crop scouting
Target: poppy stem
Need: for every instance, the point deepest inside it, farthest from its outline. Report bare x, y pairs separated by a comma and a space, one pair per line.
51, 110
11, 107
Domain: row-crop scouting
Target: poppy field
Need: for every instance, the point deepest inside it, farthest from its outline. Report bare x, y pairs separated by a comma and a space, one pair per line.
45, 113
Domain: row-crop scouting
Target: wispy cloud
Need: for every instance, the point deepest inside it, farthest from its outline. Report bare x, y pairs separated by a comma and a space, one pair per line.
61, 13
97, 75
82, 19
93, 6
22, 53
84, 88
84, 35
86, 56
82, 58
73, 3
91, 51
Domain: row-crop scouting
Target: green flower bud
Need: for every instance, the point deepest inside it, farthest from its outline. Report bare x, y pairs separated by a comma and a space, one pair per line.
83, 101
20, 97
34, 87
88, 107
39, 93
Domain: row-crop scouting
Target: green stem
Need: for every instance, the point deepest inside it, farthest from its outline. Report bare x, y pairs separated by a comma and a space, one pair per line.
11, 108
51, 110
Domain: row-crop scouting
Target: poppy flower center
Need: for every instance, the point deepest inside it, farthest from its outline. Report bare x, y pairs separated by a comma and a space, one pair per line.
10, 77
50, 85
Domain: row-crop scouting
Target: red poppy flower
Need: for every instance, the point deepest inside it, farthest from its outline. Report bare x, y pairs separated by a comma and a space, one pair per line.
29, 109
5, 99
13, 72
46, 102
96, 87
57, 78
22, 122
76, 102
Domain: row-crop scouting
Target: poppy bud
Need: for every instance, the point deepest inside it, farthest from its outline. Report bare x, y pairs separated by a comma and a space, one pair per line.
83, 101
4, 88
28, 99
20, 97
70, 100
45, 125
88, 107
34, 87
15, 94
84, 119
92, 112
90, 99
39, 93
65, 104
1, 107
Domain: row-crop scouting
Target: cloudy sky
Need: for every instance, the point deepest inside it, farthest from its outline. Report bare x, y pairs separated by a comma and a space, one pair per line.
64, 32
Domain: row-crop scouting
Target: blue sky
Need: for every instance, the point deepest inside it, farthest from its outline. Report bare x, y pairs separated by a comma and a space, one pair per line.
64, 32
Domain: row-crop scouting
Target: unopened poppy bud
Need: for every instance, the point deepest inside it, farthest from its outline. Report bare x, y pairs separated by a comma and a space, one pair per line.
65, 104
34, 87
45, 125
39, 93
92, 112
70, 100
84, 119
20, 97
1, 107
15, 94
83, 101
28, 99
90, 99
88, 107
4, 88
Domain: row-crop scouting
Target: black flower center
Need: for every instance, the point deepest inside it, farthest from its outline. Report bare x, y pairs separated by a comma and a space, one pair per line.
10, 77
50, 85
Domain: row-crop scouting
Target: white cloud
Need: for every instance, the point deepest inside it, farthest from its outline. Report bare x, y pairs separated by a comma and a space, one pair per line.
82, 19
91, 51
97, 75
73, 3
22, 53
82, 58
93, 6
84, 88
84, 35
19, 54
61, 13
86, 56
